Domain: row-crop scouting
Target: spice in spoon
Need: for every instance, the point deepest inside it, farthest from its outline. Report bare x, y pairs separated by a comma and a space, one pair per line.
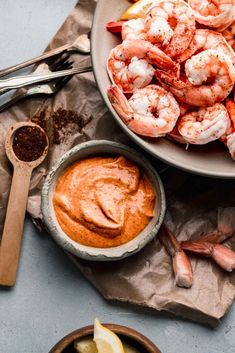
29, 143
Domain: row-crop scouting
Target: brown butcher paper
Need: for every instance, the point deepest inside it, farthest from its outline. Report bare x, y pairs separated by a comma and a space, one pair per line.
195, 204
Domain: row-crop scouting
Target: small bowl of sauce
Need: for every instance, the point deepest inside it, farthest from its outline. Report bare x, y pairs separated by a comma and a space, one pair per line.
103, 201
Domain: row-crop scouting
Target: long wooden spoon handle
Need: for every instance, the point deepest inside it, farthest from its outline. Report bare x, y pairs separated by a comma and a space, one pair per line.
13, 226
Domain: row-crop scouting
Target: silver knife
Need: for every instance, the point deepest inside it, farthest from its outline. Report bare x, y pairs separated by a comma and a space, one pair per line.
21, 81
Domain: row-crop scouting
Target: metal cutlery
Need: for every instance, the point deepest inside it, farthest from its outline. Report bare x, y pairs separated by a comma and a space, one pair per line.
45, 89
80, 45
21, 81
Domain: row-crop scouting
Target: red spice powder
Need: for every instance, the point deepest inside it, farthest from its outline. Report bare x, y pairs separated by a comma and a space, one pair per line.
56, 122
29, 143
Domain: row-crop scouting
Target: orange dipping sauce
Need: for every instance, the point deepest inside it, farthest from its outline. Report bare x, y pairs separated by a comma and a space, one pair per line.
103, 201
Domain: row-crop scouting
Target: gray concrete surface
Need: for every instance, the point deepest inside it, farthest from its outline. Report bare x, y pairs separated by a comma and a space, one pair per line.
51, 297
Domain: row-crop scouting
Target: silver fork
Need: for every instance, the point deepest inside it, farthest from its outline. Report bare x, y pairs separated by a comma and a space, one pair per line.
80, 45
45, 89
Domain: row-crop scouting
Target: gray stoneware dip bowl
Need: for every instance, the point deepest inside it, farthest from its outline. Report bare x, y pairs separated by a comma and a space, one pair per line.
92, 149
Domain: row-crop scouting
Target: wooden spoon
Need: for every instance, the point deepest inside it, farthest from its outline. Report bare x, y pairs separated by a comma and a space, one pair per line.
17, 202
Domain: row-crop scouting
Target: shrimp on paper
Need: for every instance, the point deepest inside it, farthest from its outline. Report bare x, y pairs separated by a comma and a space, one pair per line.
181, 264
170, 24
130, 64
217, 14
220, 253
210, 79
151, 111
205, 39
204, 125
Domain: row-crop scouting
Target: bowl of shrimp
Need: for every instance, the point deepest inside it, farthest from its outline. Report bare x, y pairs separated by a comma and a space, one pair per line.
166, 71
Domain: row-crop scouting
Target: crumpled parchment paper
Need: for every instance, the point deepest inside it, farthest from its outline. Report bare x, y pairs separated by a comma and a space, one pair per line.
195, 204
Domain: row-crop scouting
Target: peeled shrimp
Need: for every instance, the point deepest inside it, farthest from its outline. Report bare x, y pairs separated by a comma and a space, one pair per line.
171, 24
229, 35
175, 136
210, 79
217, 14
204, 125
134, 29
205, 39
151, 111
229, 137
130, 64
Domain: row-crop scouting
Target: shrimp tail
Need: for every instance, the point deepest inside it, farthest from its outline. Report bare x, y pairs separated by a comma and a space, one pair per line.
182, 269
167, 79
215, 237
120, 103
221, 254
230, 106
181, 264
163, 61
114, 27
229, 139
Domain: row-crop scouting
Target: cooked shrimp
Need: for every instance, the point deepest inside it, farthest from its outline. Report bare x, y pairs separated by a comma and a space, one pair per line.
175, 135
229, 137
151, 111
217, 14
171, 24
134, 29
204, 125
204, 39
210, 79
221, 254
229, 35
181, 264
130, 64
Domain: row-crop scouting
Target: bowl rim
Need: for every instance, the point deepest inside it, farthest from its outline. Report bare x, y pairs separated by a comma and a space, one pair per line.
118, 329
101, 254
137, 139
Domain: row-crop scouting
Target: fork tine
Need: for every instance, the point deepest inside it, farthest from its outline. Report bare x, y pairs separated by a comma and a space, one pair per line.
64, 66
56, 64
62, 82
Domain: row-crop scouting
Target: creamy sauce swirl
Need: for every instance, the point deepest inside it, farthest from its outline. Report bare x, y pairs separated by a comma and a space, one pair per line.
103, 201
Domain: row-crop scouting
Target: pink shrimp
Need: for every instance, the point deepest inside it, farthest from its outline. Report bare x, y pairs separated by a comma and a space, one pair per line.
204, 125
134, 29
218, 14
229, 35
151, 111
181, 264
170, 24
175, 136
205, 39
210, 79
130, 64
229, 137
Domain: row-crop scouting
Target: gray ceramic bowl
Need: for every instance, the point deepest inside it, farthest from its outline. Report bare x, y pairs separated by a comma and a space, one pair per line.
90, 149
208, 160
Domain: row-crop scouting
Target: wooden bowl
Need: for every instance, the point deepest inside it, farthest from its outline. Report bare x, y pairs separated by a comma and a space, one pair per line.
210, 160
126, 334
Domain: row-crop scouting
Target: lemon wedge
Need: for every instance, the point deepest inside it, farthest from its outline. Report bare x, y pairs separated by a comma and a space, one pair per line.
85, 345
106, 341
138, 9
